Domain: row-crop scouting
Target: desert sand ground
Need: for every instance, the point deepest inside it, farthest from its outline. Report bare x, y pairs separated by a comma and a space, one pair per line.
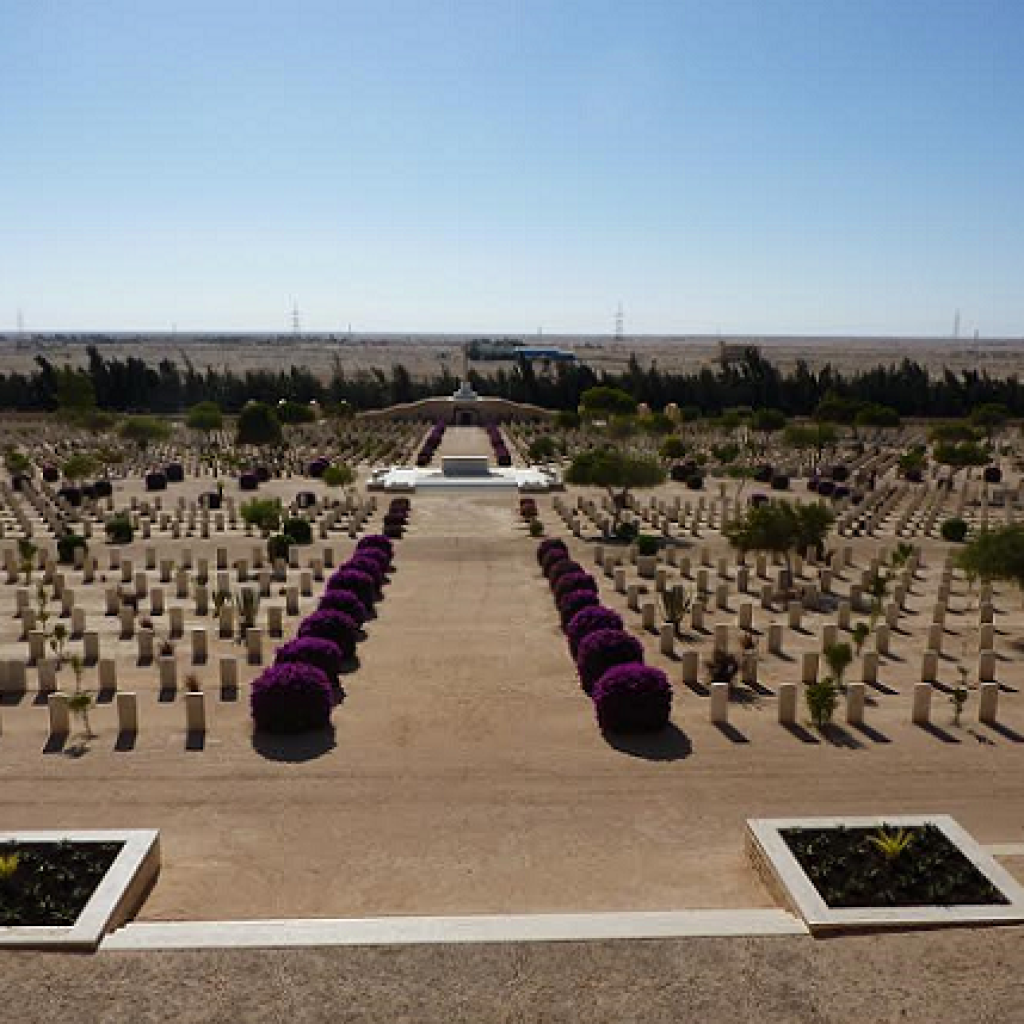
465, 773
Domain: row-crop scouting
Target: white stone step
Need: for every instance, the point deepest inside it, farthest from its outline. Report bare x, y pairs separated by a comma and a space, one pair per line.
375, 931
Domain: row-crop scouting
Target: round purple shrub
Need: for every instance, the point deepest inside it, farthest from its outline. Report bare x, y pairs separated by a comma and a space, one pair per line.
291, 697
563, 568
375, 540
359, 583
545, 547
312, 650
574, 602
375, 555
334, 626
318, 467
346, 602
368, 565
574, 581
590, 620
633, 698
602, 650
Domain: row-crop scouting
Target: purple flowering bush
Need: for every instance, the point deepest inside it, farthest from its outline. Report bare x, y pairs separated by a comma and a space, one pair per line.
346, 602
291, 697
546, 547
375, 540
337, 627
573, 603
562, 568
632, 698
604, 649
323, 654
589, 620
359, 583
573, 581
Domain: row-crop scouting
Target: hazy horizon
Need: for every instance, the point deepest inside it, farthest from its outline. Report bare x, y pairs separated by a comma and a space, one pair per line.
791, 169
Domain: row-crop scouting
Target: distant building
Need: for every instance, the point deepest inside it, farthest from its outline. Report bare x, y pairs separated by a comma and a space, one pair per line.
555, 355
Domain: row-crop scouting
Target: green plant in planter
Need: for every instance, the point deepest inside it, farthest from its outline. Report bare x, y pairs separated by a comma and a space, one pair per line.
892, 845
8, 866
861, 632
822, 699
675, 603
646, 545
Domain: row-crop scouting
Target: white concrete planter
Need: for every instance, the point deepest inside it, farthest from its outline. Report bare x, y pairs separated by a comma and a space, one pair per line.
788, 882
116, 899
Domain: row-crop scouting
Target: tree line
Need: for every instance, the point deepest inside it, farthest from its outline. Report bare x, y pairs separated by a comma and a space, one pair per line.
131, 384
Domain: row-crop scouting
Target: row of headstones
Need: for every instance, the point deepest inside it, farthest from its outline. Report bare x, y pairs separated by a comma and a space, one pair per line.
88, 565
14, 675
59, 710
856, 701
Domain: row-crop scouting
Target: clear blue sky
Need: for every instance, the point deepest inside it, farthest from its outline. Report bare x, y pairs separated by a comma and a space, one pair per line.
762, 167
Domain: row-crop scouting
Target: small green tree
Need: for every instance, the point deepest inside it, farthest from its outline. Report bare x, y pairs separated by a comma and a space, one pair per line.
990, 418
542, 448
144, 430
27, 552
996, 554
205, 418
262, 513
781, 527
673, 447
79, 466
617, 472
80, 701
861, 632
258, 425
338, 476
838, 657
822, 700
295, 413
603, 402
961, 455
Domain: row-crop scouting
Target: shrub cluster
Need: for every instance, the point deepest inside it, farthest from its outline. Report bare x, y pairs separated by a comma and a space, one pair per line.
501, 453
298, 691
430, 445
628, 695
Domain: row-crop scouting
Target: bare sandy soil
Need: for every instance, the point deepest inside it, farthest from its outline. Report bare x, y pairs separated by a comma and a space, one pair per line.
925, 978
